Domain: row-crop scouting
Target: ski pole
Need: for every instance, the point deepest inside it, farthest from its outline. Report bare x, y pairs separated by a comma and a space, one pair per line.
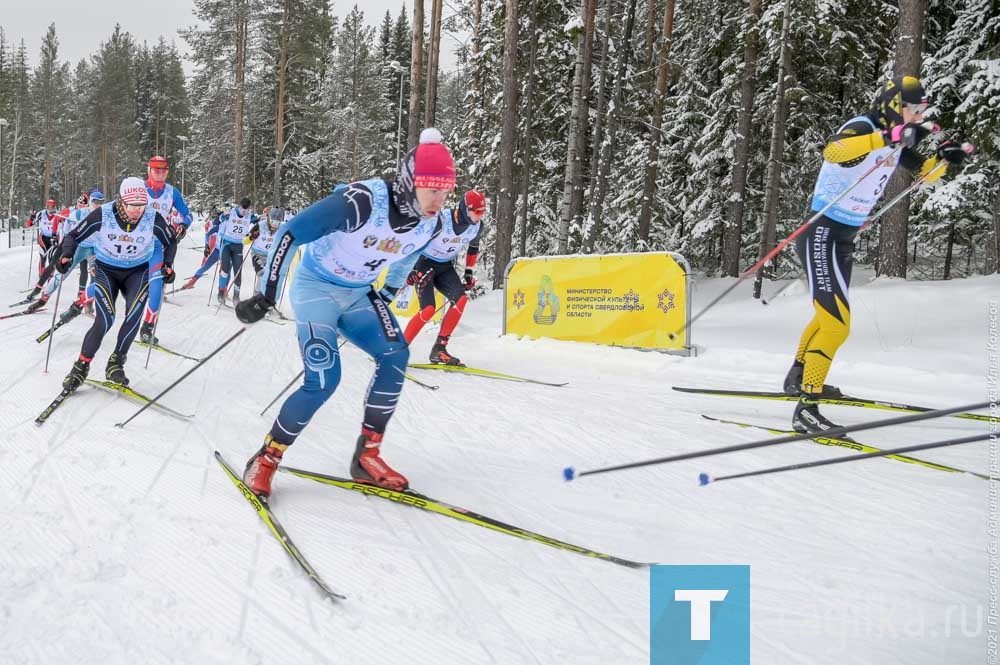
215, 278
569, 473
705, 479
780, 246
31, 255
152, 340
236, 271
52, 328
292, 383
183, 376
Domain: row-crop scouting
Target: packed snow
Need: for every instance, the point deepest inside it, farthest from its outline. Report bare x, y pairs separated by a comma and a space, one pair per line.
132, 546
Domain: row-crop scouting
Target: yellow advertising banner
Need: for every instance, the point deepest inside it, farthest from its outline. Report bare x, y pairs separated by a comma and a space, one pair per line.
633, 300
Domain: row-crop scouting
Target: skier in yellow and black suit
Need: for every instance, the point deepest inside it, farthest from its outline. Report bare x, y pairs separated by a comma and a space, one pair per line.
827, 246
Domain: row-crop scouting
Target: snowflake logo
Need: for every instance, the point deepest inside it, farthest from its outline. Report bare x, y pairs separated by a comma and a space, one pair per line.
631, 297
666, 300
519, 298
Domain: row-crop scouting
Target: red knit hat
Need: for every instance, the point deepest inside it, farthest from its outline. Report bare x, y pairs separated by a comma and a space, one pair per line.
475, 201
433, 166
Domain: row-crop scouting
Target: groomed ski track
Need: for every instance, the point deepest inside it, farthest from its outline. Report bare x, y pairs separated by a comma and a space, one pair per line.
127, 546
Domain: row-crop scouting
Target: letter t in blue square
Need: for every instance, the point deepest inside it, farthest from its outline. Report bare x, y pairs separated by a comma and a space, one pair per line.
699, 615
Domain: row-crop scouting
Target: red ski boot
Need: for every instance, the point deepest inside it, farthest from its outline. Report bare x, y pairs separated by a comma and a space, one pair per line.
369, 467
261, 467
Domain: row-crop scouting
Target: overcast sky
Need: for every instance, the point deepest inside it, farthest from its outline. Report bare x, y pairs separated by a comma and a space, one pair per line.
81, 26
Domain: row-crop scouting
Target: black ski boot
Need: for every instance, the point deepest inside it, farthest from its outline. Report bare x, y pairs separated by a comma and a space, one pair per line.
146, 334
71, 313
76, 375
115, 371
236, 296
793, 383
440, 355
807, 419
38, 304
34, 292
221, 296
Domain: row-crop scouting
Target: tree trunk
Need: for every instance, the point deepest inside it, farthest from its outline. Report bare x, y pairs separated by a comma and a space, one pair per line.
647, 56
659, 98
893, 234
433, 55
416, 69
241, 45
576, 137
772, 188
599, 123
732, 232
949, 250
279, 120
528, 115
607, 150
508, 137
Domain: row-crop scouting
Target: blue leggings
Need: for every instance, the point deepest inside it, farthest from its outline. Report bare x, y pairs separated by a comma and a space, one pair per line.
322, 310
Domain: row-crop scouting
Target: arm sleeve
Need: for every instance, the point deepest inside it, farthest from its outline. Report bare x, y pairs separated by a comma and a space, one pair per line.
852, 143
326, 216
88, 227
182, 208
472, 255
166, 237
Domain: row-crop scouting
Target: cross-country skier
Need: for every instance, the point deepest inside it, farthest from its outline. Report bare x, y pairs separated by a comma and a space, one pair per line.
86, 204
826, 247
350, 237
458, 228
210, 254
232, 230
48, 225
262, 236
162, 199
125, 230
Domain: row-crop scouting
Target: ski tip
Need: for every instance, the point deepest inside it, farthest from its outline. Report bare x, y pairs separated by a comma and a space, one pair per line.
569, 473
704, 479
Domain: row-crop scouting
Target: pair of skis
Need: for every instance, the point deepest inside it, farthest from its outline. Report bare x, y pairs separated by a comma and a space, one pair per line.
842, 400
21, 313
474, 371
111, 387
405, 497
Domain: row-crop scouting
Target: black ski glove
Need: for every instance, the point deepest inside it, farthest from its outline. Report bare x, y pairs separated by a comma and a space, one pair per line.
468, 279
63, 263
253, 309
168, 274
952, 153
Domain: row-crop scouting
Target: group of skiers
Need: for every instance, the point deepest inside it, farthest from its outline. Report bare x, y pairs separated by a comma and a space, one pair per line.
401, 224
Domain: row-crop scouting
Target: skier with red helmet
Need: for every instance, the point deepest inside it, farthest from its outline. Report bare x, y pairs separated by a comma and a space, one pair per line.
458, 228
163, 198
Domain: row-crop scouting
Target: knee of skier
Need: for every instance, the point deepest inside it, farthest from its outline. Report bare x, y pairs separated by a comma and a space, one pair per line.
427, 313
396, 355
460, 303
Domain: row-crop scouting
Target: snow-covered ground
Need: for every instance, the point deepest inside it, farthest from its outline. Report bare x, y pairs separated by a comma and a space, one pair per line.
131, 546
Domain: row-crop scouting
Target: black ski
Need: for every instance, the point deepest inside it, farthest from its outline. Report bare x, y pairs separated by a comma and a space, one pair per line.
274, 526
64, 318
26, 301
171, 352
853, 445
24, 313
843, 400
113, 387
417, 500
475, 371
44, 415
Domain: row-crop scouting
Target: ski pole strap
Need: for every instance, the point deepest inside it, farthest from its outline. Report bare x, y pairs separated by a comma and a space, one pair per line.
836, 431
183, 376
